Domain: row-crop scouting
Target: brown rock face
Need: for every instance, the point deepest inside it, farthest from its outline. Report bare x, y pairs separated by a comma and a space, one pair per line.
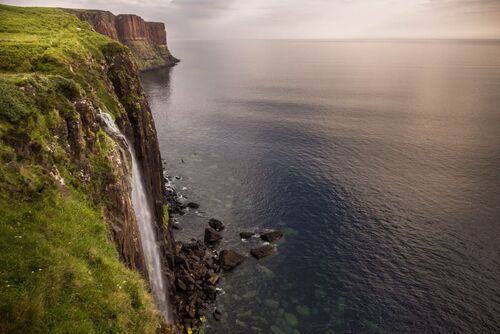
157, 33
103, 22
147, 40
133, 27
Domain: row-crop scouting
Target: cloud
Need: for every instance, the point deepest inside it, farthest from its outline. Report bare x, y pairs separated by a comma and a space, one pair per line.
465, 6
226, 19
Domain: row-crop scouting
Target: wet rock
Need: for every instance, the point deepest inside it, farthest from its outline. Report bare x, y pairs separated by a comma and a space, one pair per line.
216, 224
211, 236
217, 315
246, 235
271, 236
230, 259
263, 251
193, 205
211, 292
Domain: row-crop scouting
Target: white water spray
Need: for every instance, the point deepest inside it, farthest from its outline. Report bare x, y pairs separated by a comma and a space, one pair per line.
145, 220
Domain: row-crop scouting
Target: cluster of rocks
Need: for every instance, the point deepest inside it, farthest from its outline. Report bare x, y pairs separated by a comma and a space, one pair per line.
177, 205
199, 265
197, 272
268, 237
198, 269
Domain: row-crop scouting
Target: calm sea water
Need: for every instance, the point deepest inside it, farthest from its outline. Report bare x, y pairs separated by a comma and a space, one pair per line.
379, 160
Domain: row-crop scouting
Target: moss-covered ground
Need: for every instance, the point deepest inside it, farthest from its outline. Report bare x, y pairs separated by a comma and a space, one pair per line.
59, 269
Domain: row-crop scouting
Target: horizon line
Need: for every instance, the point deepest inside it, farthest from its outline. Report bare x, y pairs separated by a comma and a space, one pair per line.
346, 39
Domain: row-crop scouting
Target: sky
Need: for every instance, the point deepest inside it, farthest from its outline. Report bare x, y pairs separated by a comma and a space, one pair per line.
303, 19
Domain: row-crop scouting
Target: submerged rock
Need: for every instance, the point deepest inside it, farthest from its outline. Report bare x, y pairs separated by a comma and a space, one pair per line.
217, 315
291, 319
266, 271
271, 236
271, 303
211, 236
216, 224
263, 251
246, 235
303, 310
230, 259
240, 323
276, 330
193, 205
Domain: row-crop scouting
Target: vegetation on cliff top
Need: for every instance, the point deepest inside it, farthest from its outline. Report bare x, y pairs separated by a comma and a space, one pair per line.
59, 269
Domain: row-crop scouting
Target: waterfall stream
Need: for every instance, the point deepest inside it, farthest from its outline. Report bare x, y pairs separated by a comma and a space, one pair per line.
145, 220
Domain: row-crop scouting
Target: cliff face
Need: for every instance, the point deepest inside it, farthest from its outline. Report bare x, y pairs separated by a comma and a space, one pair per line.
147, 40
138, 125
65, 183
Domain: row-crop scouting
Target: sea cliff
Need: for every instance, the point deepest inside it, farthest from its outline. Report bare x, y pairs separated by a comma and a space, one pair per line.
147, 40
71, 257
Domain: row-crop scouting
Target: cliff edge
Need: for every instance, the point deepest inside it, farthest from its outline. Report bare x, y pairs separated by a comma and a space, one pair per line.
71, 258
147, 40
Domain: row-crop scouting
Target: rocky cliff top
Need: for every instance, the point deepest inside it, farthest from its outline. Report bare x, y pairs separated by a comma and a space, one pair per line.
147, 40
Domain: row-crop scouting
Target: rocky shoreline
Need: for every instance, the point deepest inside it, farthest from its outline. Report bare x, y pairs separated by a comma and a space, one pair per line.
200, 264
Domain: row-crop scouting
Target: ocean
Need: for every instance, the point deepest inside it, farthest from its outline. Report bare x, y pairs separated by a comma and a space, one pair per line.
379, 160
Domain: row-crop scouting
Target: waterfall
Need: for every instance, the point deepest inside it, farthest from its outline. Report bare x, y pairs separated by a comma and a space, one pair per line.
145, 220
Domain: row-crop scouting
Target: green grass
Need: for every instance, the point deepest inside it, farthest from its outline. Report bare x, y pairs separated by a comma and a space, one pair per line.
59, 269
61, 274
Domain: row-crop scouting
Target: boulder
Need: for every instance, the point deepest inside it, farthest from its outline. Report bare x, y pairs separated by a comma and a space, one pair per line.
211, 236
271, 236
246, 235
230, 259
263, 251
216, 224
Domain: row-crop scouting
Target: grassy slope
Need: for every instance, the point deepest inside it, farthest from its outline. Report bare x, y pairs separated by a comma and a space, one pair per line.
59, 270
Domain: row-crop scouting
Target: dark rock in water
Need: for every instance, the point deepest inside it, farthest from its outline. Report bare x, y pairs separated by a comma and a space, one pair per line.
193, 205
246, 235
271, 236
211, 236
263, 251
217, 315
210, 291
216, 224
230, 259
